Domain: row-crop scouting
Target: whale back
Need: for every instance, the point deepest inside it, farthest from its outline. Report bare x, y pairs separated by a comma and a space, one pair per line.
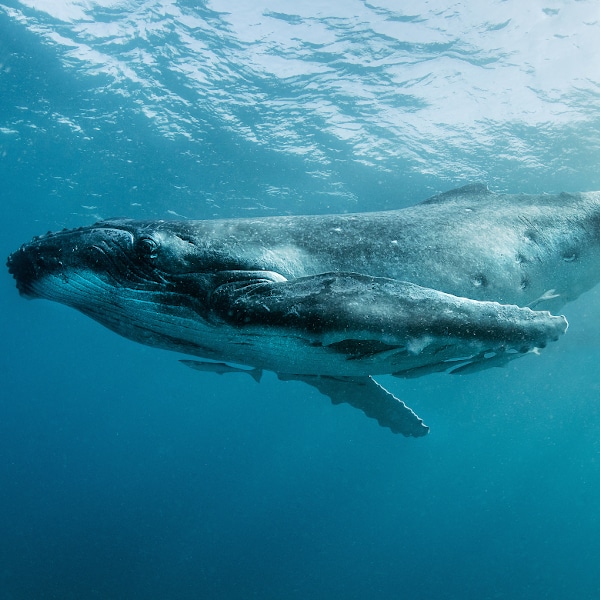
469, 242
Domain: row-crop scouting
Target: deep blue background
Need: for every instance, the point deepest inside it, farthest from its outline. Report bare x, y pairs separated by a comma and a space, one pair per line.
125, 475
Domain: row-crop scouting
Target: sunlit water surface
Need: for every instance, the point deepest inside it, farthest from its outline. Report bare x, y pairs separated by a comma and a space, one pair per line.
125, 475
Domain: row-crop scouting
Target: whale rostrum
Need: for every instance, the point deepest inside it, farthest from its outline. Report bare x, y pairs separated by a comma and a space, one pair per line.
463, 281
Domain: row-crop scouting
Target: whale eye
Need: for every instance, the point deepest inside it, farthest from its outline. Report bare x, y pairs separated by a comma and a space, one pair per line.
146, 247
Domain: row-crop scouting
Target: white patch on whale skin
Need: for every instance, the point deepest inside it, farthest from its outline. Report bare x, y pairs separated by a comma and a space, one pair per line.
284, 259
418, 345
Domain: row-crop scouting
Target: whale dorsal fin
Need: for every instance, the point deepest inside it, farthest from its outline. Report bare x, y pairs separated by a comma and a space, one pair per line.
472, 189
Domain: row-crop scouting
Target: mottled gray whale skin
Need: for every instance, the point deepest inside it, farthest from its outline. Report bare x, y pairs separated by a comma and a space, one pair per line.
457, 283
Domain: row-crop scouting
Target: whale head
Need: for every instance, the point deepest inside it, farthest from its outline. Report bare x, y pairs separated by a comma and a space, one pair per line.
143, 280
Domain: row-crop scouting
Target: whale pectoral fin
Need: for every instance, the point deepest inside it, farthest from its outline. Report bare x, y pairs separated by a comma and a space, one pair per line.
367, 395
334, 308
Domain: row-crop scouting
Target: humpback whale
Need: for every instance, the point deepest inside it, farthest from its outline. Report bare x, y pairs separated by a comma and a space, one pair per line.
465, 280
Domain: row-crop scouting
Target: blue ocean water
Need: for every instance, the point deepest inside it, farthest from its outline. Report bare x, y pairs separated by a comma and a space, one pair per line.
123, 474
